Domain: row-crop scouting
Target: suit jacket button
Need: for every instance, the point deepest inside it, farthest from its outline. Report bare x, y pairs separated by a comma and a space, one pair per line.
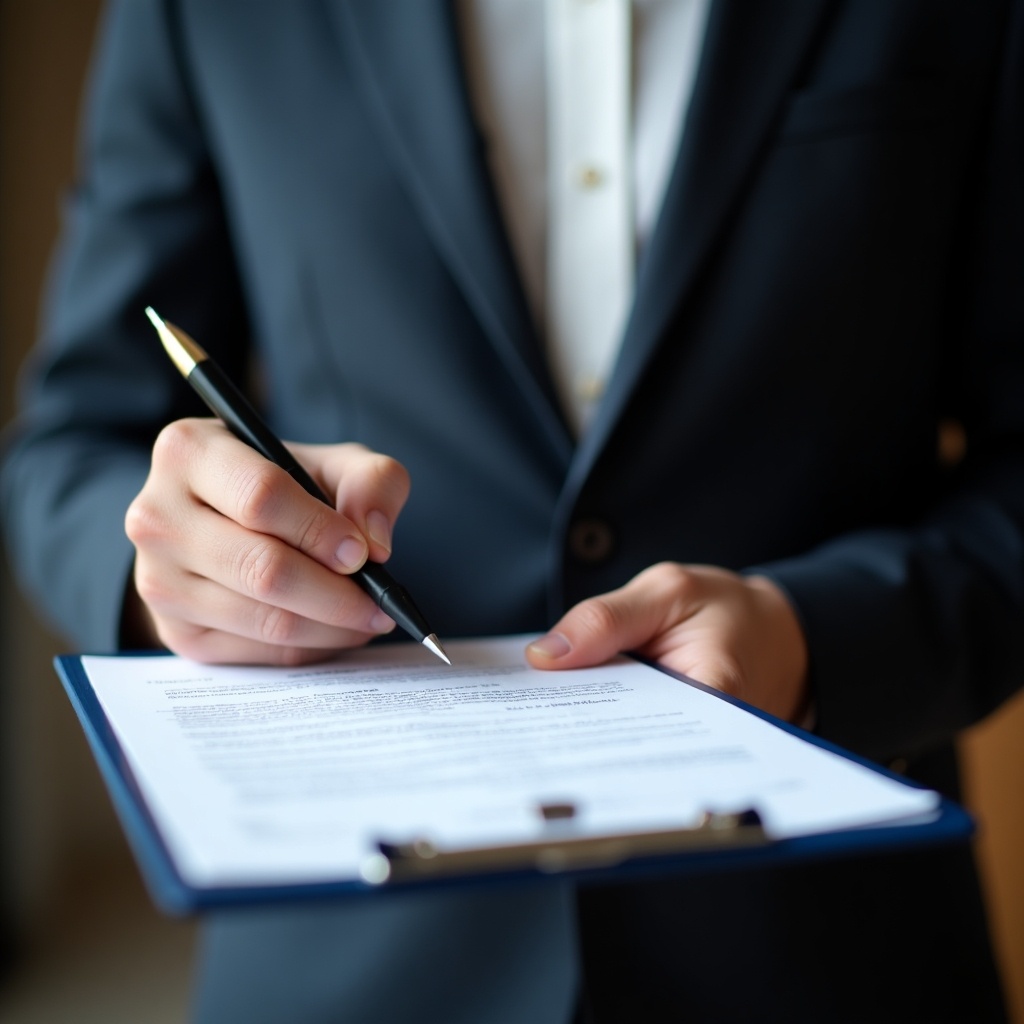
591, 541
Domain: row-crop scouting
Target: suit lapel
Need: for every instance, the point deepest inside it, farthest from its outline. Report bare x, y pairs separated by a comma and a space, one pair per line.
753, 54
413, 84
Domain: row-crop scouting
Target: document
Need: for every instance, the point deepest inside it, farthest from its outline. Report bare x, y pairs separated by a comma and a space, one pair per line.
263, 776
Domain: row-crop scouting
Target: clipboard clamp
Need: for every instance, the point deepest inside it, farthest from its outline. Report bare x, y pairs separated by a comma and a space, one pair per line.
560, 850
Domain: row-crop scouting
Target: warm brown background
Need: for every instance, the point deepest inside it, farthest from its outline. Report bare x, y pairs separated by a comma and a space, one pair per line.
89, 936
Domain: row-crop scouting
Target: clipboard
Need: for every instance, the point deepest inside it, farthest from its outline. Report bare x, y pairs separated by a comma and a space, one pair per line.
718, 842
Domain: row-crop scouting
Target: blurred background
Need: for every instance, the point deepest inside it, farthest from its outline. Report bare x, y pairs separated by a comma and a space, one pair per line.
79, 940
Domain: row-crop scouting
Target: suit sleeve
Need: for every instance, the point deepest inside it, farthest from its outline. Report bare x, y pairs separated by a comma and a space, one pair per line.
144, 225
916, 632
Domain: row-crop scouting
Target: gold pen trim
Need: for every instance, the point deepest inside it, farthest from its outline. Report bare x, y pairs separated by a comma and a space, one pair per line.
184, 352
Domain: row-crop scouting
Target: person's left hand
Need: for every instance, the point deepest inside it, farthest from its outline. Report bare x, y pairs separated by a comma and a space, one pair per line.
738, 634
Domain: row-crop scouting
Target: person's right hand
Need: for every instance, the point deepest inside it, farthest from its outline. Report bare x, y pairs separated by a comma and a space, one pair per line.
235, 562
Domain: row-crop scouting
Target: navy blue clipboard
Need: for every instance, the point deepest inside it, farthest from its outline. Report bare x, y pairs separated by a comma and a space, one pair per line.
173, 895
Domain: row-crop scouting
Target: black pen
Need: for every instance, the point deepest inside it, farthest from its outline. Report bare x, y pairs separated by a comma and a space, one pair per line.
227, 402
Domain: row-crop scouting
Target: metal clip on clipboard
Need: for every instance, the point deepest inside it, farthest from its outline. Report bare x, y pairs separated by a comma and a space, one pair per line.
560, 850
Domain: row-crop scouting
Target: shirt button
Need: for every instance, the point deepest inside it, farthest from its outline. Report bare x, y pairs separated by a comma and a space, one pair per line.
589, 177
591, 541
589, 388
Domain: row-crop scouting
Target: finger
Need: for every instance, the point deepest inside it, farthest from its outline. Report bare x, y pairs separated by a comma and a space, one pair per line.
369, 488
228, 476
243, 564
188, 610
199, 619
213, 647
622, 620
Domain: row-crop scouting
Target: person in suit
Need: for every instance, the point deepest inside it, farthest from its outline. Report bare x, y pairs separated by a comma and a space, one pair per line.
829, 283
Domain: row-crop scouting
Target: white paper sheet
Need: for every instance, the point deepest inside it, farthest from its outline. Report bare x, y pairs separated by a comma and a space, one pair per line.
277, 776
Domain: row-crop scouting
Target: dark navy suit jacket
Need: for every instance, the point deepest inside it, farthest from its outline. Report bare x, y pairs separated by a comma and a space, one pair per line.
835, 276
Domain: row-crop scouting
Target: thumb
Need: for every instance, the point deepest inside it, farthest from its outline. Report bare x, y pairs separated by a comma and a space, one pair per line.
597, 629
368, 487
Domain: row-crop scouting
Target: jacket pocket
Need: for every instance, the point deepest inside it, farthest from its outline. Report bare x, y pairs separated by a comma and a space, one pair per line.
887, 106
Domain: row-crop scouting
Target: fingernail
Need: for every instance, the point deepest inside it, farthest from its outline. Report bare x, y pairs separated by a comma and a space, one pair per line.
382, 623
379, 529
352, 552
554, 645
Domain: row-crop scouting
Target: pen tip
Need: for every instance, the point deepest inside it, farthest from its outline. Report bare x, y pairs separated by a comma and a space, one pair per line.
433, 644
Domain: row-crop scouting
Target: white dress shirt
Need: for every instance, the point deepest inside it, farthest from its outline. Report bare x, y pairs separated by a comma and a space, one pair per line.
582, 103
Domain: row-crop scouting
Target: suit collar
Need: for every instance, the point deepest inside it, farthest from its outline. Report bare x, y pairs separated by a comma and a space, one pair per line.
413, 83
